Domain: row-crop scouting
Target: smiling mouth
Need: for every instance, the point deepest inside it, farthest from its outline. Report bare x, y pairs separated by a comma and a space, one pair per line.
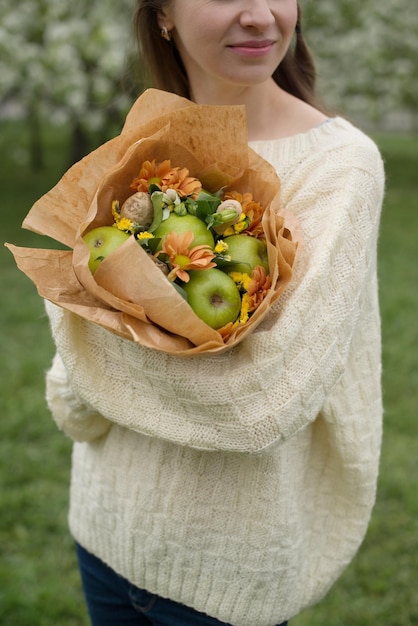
253, 48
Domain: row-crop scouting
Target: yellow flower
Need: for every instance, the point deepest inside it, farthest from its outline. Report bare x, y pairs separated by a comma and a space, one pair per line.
244, 282
241, 279
125, 224
182, 257
121, 223
221, 246
245, 309
252, 210
145, 235
116, 210
242, 224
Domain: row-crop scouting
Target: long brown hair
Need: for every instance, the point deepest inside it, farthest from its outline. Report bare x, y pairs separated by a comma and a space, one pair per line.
162, 67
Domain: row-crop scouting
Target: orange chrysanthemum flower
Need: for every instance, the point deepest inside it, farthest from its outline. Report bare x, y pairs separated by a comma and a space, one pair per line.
150, 173
257, 289
255, 292
166, 177
182, 257
252, 209
227, 330
179, 179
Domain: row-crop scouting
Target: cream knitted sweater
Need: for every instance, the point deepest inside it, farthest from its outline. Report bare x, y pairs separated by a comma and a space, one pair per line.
241, 484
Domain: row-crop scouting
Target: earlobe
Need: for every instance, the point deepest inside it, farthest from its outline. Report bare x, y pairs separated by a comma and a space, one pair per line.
164, 21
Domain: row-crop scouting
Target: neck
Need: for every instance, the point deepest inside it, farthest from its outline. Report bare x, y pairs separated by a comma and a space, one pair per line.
271, 112
262, 104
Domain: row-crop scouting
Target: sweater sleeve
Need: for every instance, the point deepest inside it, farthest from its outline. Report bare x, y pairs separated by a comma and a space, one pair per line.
275, 382
76, 419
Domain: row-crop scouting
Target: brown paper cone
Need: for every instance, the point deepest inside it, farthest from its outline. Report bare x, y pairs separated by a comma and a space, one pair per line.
128, 294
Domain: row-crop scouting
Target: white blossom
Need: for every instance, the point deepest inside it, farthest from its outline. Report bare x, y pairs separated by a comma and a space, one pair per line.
71, 57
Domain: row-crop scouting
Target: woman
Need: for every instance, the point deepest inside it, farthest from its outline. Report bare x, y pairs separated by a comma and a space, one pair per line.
255, 521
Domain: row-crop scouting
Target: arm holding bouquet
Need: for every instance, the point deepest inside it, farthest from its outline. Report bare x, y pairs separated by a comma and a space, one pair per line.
75, 418
247, 399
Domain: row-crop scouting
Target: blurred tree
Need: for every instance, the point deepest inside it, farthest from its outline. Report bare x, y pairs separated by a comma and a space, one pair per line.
66, 61
367, 57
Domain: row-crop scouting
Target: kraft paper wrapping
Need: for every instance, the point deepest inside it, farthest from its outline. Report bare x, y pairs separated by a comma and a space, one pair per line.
128, 294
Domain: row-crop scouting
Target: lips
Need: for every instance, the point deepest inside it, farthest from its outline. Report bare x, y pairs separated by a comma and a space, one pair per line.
253, 47
254, 43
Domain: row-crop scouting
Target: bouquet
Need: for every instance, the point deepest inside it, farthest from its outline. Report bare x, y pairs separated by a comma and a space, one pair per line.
175, 232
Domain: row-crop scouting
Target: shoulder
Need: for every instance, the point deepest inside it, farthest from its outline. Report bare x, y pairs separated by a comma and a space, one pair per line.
335, 145
292, 116
331, 173
339, 135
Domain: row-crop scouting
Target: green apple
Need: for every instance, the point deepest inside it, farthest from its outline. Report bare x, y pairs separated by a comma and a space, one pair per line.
213, 296
101, 242
183, 223
246, 253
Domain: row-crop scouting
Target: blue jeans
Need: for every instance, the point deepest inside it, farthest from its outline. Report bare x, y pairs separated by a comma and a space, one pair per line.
113, 601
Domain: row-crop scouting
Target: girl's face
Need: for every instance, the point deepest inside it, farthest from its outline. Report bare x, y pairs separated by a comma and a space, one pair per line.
230, 42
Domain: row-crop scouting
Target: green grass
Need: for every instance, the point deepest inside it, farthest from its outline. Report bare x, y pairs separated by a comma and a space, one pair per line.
39, 584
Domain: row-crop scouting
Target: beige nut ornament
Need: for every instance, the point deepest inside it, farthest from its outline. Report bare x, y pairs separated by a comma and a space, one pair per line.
138, 208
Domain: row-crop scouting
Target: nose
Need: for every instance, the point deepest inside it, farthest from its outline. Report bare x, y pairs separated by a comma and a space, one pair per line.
257, 14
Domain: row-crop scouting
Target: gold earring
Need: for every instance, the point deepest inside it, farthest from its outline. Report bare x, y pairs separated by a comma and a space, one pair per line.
165, 33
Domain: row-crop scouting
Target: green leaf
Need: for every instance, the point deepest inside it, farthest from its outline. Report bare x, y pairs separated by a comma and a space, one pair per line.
153, 244
205, 195
180, 290
226, 264
157, 203
206, 204
206, 207
180, 209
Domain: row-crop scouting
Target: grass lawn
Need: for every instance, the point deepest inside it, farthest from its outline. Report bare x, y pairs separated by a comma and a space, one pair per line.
39, 583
